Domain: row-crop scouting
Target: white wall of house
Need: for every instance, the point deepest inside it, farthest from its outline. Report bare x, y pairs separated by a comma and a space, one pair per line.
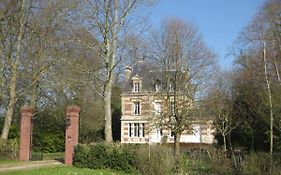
155, 136
194, 137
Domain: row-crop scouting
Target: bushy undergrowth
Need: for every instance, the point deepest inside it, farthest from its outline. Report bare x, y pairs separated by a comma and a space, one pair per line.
154, 160
9, 149
159, 160
216, 162
101, 155
144, 159
260, 164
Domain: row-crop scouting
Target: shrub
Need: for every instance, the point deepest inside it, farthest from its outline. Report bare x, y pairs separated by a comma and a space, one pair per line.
219, 164
48, 131
154, 160
211, 162
259, 164
101, 155
9, 149
148, 160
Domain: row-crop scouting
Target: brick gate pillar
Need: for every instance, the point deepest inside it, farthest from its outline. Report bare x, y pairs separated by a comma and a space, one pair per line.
25, 132
71, 133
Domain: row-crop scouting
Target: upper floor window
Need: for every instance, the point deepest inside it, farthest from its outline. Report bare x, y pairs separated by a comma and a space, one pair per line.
157, 108
171, 87
136, 87
157, 86
136, 108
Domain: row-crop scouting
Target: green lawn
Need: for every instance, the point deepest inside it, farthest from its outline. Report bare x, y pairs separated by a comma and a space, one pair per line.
3, 161
63, 170
53, 156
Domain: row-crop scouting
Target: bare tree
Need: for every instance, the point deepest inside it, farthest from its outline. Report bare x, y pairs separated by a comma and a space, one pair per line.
45, 46
186, 63
219, 103
107, 22
31, 43
14, 61
261, 38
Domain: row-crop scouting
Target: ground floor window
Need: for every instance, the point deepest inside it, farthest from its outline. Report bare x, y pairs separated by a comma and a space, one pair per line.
136, 129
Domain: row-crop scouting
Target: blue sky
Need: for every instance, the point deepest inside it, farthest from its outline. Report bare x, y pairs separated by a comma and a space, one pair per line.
219, 21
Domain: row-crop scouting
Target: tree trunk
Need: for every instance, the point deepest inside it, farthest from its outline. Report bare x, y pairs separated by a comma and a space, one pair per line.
277, 71
269, 99
276, 65
107, 110
177, 145
34, 95
111, 47
14, 75
10, 107
1, 84
224, 142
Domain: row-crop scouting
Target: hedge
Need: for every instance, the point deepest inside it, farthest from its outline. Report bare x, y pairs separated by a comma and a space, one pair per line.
118, 157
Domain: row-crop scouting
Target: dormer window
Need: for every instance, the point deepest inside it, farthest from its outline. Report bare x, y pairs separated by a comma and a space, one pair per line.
136, 87
136, 83
158, 86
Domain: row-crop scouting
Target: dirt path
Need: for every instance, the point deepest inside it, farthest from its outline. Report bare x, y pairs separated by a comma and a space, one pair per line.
28, 165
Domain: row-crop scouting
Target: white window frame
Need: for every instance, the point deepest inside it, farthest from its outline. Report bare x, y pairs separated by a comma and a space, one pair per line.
157, 108
171, 87
157, 88
141, 130
136, 130
136, 86
136, 108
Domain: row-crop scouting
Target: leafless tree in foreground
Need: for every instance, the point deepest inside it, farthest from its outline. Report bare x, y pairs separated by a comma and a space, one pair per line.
186, 66
107, 21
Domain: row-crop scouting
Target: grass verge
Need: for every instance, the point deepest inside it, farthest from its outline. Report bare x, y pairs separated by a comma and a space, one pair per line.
63, 170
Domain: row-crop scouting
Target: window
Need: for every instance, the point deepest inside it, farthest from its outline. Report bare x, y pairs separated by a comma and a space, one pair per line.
159, 131
157, 108
136, 87
171, 87
157, 86
136, 108
136, 129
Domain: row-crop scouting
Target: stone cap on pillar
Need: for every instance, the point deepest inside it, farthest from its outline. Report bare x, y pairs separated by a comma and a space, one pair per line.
27, 111
72, 110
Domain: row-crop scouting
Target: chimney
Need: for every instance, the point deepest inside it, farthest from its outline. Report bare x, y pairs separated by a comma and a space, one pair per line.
128, 72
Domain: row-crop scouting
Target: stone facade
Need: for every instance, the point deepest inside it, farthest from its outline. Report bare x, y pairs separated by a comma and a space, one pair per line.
140, 102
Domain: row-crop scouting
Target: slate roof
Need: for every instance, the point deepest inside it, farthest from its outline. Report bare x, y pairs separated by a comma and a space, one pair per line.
148, 75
